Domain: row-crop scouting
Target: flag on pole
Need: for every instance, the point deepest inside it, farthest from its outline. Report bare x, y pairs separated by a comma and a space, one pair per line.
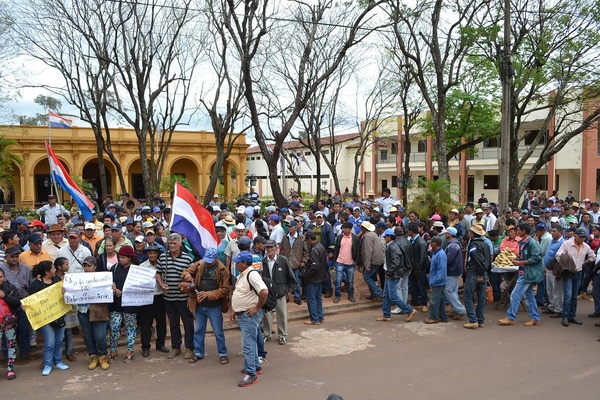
305, 160
62, 177
193, 220
58, 121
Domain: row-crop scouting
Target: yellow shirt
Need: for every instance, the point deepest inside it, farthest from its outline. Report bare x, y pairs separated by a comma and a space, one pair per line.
244, 297
30, 259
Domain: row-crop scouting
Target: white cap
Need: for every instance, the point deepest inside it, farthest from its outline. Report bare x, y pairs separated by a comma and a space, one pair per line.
240, 226
90, 225
140, 239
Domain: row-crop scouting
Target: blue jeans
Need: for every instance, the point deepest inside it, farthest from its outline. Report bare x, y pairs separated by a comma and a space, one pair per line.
53, 339
248, 326
596, 291
403, 287
472, 288
94, 333
541, 297
23, 329
390, 295
342, 270
451, 293
495, 282
437, 306
260, 343
314, 300
570, 291
369, 277
298, 284
521, 289
327, 287
215, 316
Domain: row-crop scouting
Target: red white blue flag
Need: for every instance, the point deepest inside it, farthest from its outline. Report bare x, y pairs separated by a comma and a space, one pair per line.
58, 121
193, 220
62, 177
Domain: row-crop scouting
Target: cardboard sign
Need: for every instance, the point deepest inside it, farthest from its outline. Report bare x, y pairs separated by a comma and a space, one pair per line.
138, 289
88, 288
45, 306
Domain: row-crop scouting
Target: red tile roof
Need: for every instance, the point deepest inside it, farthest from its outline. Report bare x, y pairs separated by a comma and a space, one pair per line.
295, 144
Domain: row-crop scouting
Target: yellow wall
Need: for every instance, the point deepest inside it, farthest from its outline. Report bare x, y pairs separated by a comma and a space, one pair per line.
191, 153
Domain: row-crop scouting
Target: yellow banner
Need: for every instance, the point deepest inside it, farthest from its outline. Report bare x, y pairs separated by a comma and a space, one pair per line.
45, 306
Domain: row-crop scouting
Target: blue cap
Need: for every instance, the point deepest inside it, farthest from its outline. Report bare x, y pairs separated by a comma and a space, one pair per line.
35, 238
244, 256
210, 255
389, 232
452, 230
156, 209
294, 203
21, 221
244, 243
275, 217
381, 225
540, 227
284, 210
116, 227
547, 209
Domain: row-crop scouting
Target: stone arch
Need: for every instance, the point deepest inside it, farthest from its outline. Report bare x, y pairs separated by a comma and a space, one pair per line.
42, 182
91, 174
188, 168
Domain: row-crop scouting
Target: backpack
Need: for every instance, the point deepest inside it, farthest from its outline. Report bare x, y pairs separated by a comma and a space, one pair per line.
271, 302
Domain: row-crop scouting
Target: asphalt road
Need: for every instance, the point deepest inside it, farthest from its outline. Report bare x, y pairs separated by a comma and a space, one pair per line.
358, 358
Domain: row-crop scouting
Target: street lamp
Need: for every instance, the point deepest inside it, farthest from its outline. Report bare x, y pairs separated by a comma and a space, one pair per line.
252, 180
247, 180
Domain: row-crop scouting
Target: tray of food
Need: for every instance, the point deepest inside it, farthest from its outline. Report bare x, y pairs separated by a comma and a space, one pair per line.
504, 262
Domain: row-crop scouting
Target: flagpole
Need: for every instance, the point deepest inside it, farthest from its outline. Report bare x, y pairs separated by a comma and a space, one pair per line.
49, 129
173, 205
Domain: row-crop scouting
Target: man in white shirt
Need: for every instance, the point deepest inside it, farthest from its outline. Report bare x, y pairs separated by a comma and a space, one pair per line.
74, 252
51, 211
277, 232
490, 218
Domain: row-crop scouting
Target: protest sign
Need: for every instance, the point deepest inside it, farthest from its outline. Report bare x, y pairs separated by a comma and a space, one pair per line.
88, 288
138, 289
45, 306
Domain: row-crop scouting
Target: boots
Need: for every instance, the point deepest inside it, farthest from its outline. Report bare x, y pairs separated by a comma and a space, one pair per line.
93, 362
104, 362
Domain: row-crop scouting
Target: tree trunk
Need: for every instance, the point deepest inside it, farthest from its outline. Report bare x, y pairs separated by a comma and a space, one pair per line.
214, 177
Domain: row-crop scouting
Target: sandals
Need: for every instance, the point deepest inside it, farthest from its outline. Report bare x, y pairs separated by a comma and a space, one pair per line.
128, 357
10, 375
71, 357
112, 357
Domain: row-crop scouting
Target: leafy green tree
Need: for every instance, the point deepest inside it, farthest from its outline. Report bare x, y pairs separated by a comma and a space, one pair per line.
9, 163
433, 196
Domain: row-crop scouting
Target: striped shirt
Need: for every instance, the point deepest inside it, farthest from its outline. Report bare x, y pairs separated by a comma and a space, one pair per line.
171, 268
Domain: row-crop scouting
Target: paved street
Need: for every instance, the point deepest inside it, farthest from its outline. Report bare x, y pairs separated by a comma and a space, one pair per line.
353, 355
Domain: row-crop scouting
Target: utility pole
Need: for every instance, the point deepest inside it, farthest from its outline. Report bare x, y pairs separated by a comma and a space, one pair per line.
506, 73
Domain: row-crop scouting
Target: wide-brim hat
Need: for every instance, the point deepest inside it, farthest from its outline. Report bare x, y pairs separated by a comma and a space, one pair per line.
368, 226
56, 228
152, 247
478, 230
229, 220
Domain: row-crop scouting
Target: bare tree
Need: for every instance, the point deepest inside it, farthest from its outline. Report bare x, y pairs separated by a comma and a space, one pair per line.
78, 49
435, 50
324, 30
225, 101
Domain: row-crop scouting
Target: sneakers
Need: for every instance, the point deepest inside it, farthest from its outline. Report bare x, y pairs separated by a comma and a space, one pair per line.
262, 360
189, 353
174, 353
336, 300
259, 371
506, 322
410, 316
46, 371
471, 325
383, 319
533, 322
248, 380
396, 311
282, 340
61, 365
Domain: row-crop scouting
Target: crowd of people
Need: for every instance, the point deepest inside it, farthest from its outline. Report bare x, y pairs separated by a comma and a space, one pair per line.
302, 252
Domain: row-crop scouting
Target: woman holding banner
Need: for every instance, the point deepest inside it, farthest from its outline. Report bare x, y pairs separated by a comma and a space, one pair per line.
53, 332
118, 313
94, 320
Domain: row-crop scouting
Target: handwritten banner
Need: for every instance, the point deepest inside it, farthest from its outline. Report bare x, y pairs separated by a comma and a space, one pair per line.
88, 288
45, 306
138, 289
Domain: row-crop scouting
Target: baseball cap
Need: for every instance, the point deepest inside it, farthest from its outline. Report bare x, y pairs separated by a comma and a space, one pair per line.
452, 230
11, 251
140, 239
21, 221
116, 227
318, 214
244, 243
381, 225
554, 219
73, 233
540, 227
274, 217
389, 232
156, 209
435, 217
90, 225
240, 227
292, 224
284, 209
270, 243
347, 224
581, 232
35, 238
243, 256
210, 255
89, 260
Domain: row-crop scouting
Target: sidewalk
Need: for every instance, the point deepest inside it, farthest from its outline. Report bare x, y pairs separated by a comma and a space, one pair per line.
295, 312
